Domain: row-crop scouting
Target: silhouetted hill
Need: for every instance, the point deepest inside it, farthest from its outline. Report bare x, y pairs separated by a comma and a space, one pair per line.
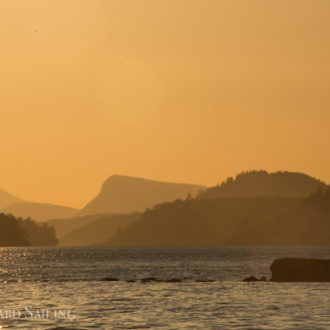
7, 199
234, 221
24, 232
123, 194
39, 211
65, 226
261, 183
309, 224
203, 221
99, 230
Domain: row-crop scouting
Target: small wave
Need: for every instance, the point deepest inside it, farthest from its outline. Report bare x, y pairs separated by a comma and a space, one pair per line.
157, 280
110, 279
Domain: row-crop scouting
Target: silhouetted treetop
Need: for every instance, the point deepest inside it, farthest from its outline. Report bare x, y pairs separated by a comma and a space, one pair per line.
321, 194
39, 234
11, 233
262, 183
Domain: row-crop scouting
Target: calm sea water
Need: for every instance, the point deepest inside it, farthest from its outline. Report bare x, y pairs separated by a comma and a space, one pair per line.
166, 288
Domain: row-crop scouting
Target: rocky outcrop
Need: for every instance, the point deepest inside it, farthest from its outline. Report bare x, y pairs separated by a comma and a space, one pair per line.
300, 270
254, 279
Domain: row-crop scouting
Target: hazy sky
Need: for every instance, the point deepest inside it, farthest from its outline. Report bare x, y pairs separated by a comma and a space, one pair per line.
187, 91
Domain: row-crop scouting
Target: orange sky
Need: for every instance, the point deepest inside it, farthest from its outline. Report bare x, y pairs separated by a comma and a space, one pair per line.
187, 91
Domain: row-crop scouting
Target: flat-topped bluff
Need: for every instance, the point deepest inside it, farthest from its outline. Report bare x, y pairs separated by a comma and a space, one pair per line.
124, 194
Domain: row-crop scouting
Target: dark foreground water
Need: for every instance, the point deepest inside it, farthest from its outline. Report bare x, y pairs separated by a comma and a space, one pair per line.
167, 288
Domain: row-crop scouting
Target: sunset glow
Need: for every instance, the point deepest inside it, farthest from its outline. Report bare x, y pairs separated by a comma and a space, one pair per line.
179, 91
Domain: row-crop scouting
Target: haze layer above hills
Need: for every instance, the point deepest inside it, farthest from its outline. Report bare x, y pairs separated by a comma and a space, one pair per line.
123, 194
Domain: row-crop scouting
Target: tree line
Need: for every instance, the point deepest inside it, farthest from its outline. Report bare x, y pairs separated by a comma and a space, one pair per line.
25, 232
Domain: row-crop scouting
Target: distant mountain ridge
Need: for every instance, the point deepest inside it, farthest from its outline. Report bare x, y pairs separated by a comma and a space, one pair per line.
262, 183
124, 194
67, 225
99, 230
39, 211
7, 199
